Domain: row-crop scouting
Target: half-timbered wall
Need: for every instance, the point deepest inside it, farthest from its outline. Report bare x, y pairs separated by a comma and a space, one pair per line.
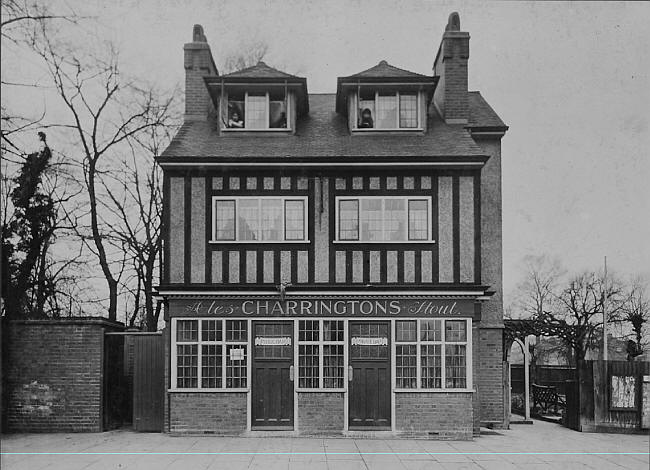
452, 257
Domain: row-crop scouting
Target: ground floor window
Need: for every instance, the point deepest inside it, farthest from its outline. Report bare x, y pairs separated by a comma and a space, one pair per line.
210, 353
321, 354
432, 354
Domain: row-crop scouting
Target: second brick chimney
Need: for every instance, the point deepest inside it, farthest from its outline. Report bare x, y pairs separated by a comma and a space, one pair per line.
450, 96
198, 64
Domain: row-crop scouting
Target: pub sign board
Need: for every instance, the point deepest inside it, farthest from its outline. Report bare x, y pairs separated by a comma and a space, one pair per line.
324, 307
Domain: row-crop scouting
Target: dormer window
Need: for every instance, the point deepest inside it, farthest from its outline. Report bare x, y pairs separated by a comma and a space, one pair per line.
257, 110
387, 110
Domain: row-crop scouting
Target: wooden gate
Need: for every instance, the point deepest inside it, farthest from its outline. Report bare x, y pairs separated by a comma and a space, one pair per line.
148, 382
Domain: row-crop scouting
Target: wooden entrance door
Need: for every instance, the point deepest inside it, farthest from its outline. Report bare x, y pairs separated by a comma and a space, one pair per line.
272, 380
370, 381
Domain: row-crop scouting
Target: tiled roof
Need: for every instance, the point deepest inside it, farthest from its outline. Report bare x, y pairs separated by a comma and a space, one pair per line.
384, 70
324, 133
481, 113
259, 70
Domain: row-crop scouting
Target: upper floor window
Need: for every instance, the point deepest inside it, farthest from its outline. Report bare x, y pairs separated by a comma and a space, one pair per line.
259, 219
387, 110
257, 110
376, 219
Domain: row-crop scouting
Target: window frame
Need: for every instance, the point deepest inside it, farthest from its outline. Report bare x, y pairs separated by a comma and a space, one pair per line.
443, 343
407, 200
268, 110
321, 363
418, 112
283, 231
223, 343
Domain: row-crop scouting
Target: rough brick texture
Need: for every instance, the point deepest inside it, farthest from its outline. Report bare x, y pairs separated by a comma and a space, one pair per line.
434, 415
53, 375
320, 413
451, 95
490, 383
208, 413
198, 64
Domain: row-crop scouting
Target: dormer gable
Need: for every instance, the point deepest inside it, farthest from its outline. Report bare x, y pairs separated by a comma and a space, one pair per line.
385, 98
259, 98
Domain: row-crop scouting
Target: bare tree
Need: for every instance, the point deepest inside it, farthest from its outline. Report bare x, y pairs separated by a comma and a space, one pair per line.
246, 56
538, 291
635, 311
106, 112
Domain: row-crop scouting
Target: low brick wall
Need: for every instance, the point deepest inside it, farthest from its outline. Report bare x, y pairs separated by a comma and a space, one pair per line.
207, 412
320, 412
53, 374
434, 415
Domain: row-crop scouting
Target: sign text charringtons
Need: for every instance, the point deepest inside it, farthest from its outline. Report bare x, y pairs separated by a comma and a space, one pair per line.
343, 307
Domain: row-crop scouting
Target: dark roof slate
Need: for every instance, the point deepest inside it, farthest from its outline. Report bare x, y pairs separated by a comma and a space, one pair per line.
324, 133
384, 70
259, 70
481, 113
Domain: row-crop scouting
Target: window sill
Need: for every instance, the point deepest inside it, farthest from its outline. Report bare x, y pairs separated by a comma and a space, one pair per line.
380, 130
256, 131
433, 390
208, 390
258, 242
385, 242
321, 390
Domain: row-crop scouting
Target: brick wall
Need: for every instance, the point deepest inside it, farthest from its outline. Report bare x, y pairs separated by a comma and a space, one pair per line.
434, 415
490, 383
320, 413
205, 412
53, 374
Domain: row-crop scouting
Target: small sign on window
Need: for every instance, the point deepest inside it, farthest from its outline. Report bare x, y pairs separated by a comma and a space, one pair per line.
237, 354
358, 341
273, 341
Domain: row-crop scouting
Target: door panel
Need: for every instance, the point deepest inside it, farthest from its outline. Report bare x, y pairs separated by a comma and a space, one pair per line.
370, 384
272, 385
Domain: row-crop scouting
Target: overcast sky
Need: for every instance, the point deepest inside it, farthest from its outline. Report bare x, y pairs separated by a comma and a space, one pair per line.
570, 79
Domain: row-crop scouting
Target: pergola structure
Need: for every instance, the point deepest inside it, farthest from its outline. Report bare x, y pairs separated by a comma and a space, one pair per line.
520, 331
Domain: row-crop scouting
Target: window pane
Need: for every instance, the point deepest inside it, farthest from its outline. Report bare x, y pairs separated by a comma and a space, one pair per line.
405, 365
455, 371
349, 220
455, 330
235, 118
308, 330
431, 330
386, 111
187, 366
247, 219
395, 219
308, 366
294, 213
277, 110
187, 330
431, 363
236, 366
333, 330
225, 223
272, 219
263, 350
333, 365
405, 331
256, 112
408, 110
211, 365
236, 330
371, 220
366, 111
211, 330
418, 220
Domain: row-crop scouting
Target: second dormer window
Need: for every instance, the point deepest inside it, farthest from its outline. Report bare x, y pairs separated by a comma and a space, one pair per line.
257, 110
387, 110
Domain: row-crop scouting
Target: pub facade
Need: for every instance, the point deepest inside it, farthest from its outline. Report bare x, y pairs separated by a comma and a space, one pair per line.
332, 262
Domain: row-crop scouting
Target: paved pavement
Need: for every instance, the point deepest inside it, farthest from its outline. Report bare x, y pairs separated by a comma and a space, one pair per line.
538, 446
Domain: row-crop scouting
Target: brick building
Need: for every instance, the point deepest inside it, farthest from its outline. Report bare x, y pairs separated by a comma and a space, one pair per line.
332, 262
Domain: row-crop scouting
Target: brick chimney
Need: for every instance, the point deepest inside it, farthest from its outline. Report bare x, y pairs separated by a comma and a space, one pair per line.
450, 97
198, 64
